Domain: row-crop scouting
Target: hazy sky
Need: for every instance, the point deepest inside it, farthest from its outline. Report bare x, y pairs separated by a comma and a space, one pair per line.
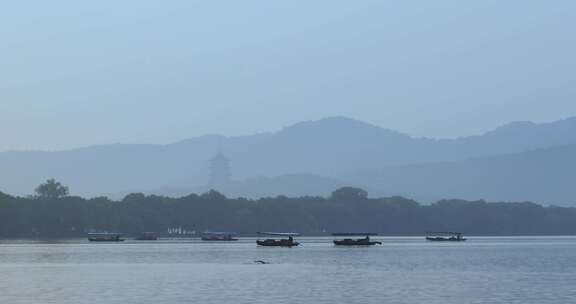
74, 73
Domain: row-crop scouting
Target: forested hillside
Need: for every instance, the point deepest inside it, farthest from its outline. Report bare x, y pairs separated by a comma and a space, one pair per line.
346, 210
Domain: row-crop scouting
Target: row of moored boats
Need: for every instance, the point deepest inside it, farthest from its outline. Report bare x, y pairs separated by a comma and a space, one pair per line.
281, 239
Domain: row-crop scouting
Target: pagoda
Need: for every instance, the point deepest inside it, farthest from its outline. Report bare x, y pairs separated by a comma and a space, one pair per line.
219, 170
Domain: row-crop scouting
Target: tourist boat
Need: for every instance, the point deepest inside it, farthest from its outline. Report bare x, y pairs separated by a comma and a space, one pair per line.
445, 237
365, 241
105, 237
283, 242
147, 236
219, 236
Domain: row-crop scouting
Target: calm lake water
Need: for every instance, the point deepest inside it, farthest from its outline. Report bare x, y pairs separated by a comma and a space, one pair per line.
523, 270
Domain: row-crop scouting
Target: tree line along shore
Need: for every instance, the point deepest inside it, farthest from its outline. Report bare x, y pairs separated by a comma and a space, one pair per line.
52, 213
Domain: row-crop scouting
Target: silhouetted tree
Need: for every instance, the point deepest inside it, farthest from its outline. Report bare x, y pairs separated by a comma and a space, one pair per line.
349, 194
213, 195
134, 197
51, 189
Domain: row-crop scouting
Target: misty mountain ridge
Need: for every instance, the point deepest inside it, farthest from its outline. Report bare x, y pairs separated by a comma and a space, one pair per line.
332, 148
544, 175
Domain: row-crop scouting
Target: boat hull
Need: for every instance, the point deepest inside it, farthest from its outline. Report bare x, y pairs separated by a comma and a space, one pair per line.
277, 243
361, 242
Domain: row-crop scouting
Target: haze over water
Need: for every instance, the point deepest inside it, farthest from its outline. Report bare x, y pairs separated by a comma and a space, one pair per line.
537, 270
391, 117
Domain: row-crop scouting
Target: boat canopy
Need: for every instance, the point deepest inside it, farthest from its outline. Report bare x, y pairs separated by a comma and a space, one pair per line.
280, 233
354, 234
444, 233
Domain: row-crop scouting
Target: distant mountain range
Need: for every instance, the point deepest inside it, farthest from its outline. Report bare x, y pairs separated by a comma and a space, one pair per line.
330, 151
546, 175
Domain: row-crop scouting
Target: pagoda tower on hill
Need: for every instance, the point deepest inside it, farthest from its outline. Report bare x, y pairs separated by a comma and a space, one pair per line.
219, 170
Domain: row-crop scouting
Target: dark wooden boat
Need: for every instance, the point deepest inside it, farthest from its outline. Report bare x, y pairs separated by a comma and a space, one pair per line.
288, 242
356, 242
105, 237
277, 243
147, 236
365, 241
445, 237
